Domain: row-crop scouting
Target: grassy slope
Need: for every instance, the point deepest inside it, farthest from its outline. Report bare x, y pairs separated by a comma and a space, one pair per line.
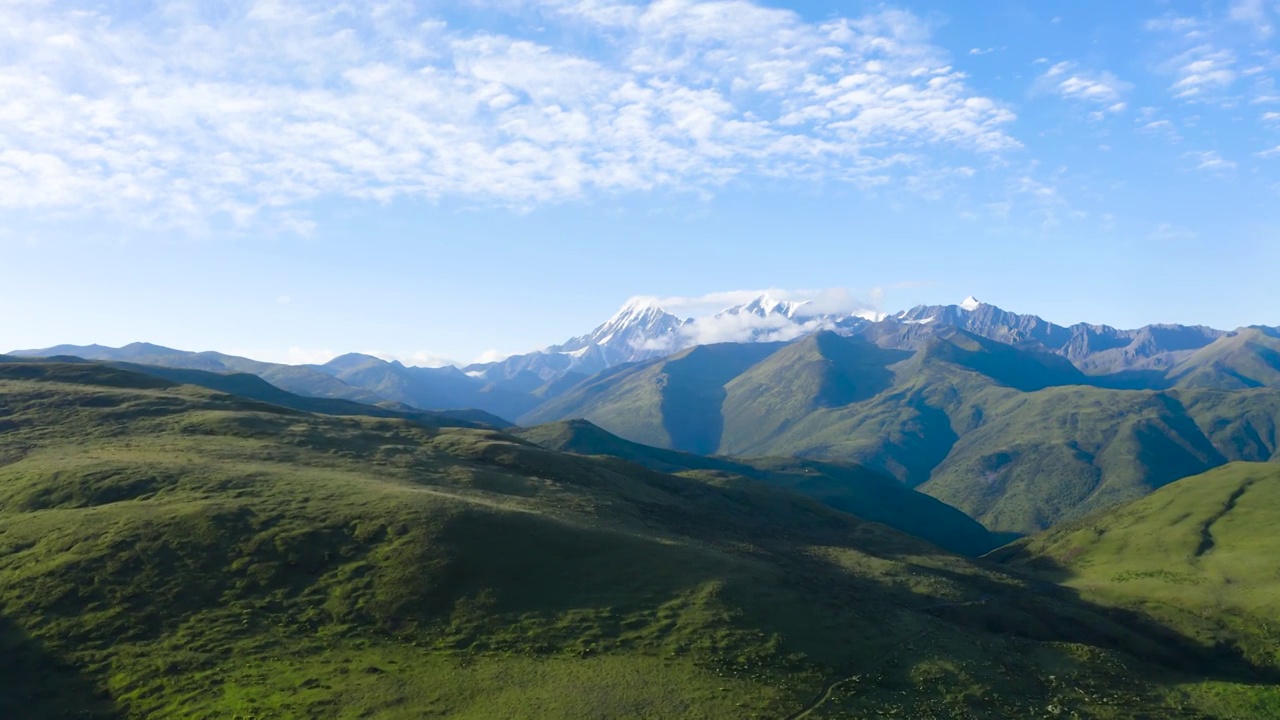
1200, 554
168, 551
847, 487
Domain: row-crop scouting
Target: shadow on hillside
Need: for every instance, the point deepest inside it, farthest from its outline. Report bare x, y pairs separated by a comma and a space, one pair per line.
1009, 603
36, 684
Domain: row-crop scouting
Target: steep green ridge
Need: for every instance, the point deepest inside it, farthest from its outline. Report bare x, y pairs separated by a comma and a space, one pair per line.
1016, 438
1200, 554
851, 488
671, 402
175, 552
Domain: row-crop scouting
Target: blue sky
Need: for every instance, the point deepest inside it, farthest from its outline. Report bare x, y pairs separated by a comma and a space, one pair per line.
456, 179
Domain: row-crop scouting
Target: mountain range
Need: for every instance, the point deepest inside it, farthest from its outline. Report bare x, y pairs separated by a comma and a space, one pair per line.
1019, 422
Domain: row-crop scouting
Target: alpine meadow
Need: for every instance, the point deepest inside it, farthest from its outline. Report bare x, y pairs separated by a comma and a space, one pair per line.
640, 359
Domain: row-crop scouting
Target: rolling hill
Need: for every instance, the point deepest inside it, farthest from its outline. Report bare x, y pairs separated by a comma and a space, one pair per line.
167, 550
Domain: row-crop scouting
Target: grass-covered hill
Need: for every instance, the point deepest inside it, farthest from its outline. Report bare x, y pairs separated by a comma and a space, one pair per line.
1017, 438
844, 486
171, 551
1199, 554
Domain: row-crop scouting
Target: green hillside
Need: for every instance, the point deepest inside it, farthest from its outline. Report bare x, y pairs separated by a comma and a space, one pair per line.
170, 551
1199, 554
851, 488
1248, 358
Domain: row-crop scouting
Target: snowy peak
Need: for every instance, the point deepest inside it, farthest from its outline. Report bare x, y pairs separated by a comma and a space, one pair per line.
766, 306
636, 332
970, 303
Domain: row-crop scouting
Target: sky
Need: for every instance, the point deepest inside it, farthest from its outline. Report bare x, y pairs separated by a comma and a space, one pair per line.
446, 181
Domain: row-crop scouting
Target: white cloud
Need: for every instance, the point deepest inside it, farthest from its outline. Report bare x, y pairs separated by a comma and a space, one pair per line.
1098, 88
1210, 161
710, 324
1203, 70
1273, 152
491, 356
1157, 127
417, 358
253, 110
823, 301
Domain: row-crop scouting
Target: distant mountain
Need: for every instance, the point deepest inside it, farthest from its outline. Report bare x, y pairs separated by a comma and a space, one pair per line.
434, 388
1092, 348
639, 331
643, 330
1015, 436
354, 377
300, 379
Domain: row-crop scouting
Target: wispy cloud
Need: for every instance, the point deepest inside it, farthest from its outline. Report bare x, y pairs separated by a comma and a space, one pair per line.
1099, 88
1226, 59
254, 109
1210, 161
1203, 70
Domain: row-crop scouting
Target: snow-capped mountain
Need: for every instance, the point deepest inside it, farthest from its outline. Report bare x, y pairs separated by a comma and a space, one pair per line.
642, 330
639, 331
765, 306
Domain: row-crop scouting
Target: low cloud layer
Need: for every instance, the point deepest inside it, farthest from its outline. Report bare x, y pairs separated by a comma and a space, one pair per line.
710, 323
250, 109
